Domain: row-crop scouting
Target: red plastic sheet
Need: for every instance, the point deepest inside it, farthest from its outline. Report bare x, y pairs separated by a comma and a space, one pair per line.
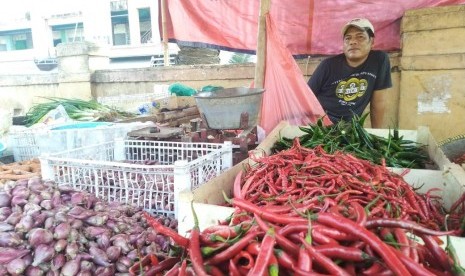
306, 27
287, 95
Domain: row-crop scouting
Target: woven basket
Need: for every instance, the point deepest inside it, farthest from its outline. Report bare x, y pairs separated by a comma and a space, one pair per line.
453, 147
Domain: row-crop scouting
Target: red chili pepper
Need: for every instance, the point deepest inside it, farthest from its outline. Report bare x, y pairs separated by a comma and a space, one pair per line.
342, 252
322, 260
250, 180
173, 271
439, 272
194, 247
414, 251
293, 227
284, 259
350, 268
263, 213
415, 268
286, 244
161, 229
237, 185
233, 270
426, 256
374, 269
183, 268
144, 262
304, 262
402, 241
320, 238
387, 235
273, 266
359, 212
283, 175
385, 272
161, 266
264, 256
214, 271
332, 233
253, 248
244, 260
234, 249
153, 259
345, 195
405, 224
216, 233
322, 230
210, 250
438, 253
370, 238
410, 195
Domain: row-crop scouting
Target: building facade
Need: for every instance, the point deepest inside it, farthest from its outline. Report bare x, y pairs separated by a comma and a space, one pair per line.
127, 30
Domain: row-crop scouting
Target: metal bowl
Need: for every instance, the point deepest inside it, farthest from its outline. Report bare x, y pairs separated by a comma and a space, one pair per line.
230, 108
453, 147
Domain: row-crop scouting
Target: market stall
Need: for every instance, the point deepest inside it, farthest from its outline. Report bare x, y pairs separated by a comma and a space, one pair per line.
311, 198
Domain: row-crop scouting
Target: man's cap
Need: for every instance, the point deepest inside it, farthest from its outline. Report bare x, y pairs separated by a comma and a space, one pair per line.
361, 23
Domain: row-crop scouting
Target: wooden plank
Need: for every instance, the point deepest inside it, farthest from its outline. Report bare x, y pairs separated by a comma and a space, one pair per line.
166, 54
261, 45
176, 114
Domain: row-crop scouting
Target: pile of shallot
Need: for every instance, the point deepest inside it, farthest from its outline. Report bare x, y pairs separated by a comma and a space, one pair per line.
55, 230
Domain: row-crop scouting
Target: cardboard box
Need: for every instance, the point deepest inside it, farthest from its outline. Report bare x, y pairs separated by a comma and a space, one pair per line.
209, 198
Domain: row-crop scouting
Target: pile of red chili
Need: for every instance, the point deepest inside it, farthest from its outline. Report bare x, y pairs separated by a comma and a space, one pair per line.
302, 180
460, 160
305, 212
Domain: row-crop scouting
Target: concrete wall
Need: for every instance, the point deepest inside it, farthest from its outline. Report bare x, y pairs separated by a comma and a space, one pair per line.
433, 69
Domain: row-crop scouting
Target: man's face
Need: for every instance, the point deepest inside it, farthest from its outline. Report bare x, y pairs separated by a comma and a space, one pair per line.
357, 45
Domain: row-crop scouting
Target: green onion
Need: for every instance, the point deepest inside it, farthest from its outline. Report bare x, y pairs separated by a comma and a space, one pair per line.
77, 109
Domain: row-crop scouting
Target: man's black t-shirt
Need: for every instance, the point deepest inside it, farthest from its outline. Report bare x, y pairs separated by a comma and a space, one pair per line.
343, 90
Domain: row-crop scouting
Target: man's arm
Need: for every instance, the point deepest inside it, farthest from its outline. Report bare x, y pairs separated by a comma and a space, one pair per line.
377, 108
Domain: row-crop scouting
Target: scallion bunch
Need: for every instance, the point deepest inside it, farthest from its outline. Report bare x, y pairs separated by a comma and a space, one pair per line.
77, 109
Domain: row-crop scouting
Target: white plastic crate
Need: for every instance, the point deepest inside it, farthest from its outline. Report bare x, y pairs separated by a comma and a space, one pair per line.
148, 174
30, 143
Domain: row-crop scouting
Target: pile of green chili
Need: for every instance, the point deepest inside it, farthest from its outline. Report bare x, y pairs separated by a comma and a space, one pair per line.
352, 137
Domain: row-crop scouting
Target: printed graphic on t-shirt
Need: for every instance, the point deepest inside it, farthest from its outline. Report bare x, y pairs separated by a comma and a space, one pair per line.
351, 89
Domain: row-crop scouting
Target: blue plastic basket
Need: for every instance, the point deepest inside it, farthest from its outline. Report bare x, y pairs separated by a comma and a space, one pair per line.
82, 125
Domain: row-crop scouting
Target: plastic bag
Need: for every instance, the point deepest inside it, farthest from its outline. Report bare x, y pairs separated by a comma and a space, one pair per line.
55, 116
180, 89
211, 88
287, 95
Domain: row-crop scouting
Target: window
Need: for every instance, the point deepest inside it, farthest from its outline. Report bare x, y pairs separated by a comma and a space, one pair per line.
67, 33
145, 25
16, 40
120, 27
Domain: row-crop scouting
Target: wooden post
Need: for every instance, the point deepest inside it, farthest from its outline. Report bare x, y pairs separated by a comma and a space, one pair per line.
261, 44
166, 53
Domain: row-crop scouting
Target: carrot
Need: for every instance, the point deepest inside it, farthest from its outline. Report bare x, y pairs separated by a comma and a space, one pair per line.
18, 176
26, 168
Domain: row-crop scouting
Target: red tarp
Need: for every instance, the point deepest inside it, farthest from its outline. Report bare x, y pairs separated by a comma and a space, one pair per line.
287, 95
298, 27
306, 27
